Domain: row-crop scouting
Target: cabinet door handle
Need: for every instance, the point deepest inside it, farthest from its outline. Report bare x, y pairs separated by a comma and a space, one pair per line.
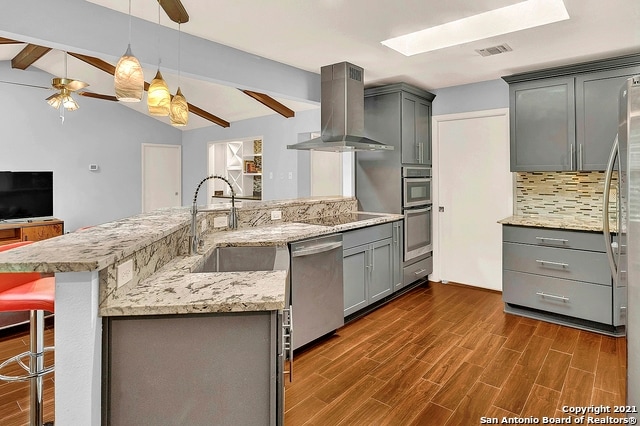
580, 160
571, 150
555, 240
417, 152
419, 271
552, 296
373, 260
546, 262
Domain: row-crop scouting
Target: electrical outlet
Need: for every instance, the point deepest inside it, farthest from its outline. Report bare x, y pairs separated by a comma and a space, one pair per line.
220, 221
203, 226
124, 272
290, 175
276, 215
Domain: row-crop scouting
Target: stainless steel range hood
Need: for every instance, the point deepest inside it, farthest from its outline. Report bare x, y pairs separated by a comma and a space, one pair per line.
342, 112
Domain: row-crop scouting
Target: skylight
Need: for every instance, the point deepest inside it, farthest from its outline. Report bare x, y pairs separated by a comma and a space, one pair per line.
508, 19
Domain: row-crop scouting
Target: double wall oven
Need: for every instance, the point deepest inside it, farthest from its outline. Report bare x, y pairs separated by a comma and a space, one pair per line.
416, 207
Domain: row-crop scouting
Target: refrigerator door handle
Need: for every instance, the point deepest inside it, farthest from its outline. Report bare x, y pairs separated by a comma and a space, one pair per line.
605, 211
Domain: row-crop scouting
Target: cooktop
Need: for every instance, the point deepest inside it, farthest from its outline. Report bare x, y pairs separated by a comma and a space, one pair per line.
339, 219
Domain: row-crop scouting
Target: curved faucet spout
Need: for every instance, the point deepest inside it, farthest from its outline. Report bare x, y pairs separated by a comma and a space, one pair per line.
233, 219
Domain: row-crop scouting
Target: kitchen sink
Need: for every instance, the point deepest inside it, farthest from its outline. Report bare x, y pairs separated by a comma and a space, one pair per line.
259, 258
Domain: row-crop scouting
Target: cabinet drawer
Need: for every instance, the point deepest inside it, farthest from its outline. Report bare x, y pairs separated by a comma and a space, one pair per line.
416, 271
366, 235
555, 262
580, 300
593, 241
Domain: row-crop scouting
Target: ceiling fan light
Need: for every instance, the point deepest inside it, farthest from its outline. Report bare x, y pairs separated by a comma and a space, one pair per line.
69, 103
179, 113
128, 78
158, 96
55, 100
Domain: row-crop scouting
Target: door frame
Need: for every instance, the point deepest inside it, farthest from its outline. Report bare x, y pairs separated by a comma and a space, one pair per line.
436, 120
142, 168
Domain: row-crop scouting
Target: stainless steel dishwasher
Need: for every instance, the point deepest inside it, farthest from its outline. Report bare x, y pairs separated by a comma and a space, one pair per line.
317, 292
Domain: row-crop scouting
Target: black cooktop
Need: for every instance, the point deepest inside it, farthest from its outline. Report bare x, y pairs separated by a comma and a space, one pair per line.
339, 219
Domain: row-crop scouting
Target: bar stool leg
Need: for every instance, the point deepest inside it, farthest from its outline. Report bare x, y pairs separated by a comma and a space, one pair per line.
36, 334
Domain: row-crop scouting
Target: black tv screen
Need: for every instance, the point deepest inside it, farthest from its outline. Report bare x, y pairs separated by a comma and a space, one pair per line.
26, 195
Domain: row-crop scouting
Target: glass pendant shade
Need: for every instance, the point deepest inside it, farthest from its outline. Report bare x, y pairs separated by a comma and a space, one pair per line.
179, 113
158, 97
129, 78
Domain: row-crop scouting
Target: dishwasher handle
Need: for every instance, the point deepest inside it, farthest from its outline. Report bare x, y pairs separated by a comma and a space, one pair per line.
315, 249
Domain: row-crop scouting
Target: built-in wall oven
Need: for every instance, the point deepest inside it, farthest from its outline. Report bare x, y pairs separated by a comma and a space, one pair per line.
416, 207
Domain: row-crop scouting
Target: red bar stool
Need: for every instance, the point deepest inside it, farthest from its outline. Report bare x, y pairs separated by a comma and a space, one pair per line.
29, 291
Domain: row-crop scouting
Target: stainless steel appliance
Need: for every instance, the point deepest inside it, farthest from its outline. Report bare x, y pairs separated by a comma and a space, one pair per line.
317, 293
342, 112
624, 254
416, 207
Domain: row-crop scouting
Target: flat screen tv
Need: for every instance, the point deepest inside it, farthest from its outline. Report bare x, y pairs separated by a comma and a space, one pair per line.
26, 195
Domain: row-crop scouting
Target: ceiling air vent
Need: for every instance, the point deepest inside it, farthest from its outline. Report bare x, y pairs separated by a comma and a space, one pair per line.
494, 50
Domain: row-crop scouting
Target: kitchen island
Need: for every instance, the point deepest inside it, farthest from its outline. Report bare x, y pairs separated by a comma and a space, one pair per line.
86, 266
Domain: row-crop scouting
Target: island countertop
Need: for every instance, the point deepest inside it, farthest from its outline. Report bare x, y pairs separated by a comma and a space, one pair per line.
174, 289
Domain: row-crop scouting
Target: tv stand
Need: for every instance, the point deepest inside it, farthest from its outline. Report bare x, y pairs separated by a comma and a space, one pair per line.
30, 230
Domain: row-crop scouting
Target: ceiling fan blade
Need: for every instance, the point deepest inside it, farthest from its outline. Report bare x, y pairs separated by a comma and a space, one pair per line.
175, 10
28, 55
98, 96
24, 84
74, 85
268, 101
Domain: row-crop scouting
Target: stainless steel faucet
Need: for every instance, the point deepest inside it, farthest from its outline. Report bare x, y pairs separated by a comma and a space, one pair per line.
194, 238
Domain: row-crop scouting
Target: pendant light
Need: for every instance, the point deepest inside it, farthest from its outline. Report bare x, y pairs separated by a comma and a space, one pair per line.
128, 77
158, 96
179, 109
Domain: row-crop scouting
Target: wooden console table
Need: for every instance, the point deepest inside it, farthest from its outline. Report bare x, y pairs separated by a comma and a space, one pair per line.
35, 230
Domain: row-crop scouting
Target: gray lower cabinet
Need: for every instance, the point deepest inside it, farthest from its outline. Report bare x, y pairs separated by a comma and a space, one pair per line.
396, 255
559, 275
368, 266
193, 369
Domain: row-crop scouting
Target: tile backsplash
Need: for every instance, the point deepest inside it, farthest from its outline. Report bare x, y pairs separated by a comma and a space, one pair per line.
575, 194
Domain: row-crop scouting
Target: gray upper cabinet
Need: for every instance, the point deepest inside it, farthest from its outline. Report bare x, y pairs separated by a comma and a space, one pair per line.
565, 119
542, 115
400, 115
597, 97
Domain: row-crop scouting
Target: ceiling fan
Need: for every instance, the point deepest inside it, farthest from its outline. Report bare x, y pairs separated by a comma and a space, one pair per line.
65, 85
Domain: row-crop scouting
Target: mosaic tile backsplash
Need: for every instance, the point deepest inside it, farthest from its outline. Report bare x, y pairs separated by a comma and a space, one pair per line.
575, 194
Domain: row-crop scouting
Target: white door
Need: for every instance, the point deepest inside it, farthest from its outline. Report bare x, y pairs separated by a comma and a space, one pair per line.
475, 189
161, 176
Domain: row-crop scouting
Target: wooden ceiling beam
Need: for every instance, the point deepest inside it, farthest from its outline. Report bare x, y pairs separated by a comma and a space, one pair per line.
271, 103
208, 116
9, 41
98, 96
175, 10
28, 55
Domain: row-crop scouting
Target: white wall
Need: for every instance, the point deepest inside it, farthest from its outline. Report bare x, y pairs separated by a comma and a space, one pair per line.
99, 132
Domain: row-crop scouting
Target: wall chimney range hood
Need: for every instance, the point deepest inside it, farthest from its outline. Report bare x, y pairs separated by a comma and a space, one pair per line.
342, 112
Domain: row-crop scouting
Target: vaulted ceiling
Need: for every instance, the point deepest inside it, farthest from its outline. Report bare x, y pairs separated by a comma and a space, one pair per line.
310, 34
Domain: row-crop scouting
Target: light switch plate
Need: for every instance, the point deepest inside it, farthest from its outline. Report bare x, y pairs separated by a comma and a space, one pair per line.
203, 226
124, 272
276, 215
220, 221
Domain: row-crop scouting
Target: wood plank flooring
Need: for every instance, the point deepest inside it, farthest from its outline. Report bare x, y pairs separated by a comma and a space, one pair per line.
438, 355
14, 396
449, 355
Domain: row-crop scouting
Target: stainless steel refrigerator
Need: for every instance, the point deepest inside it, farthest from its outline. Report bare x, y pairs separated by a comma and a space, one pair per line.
624, 252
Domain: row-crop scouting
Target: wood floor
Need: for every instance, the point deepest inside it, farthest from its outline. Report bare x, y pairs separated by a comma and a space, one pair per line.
448, 355
438, 355
14, 397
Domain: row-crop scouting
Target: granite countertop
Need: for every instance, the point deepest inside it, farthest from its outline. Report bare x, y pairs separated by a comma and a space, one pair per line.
174, 289
557, 222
